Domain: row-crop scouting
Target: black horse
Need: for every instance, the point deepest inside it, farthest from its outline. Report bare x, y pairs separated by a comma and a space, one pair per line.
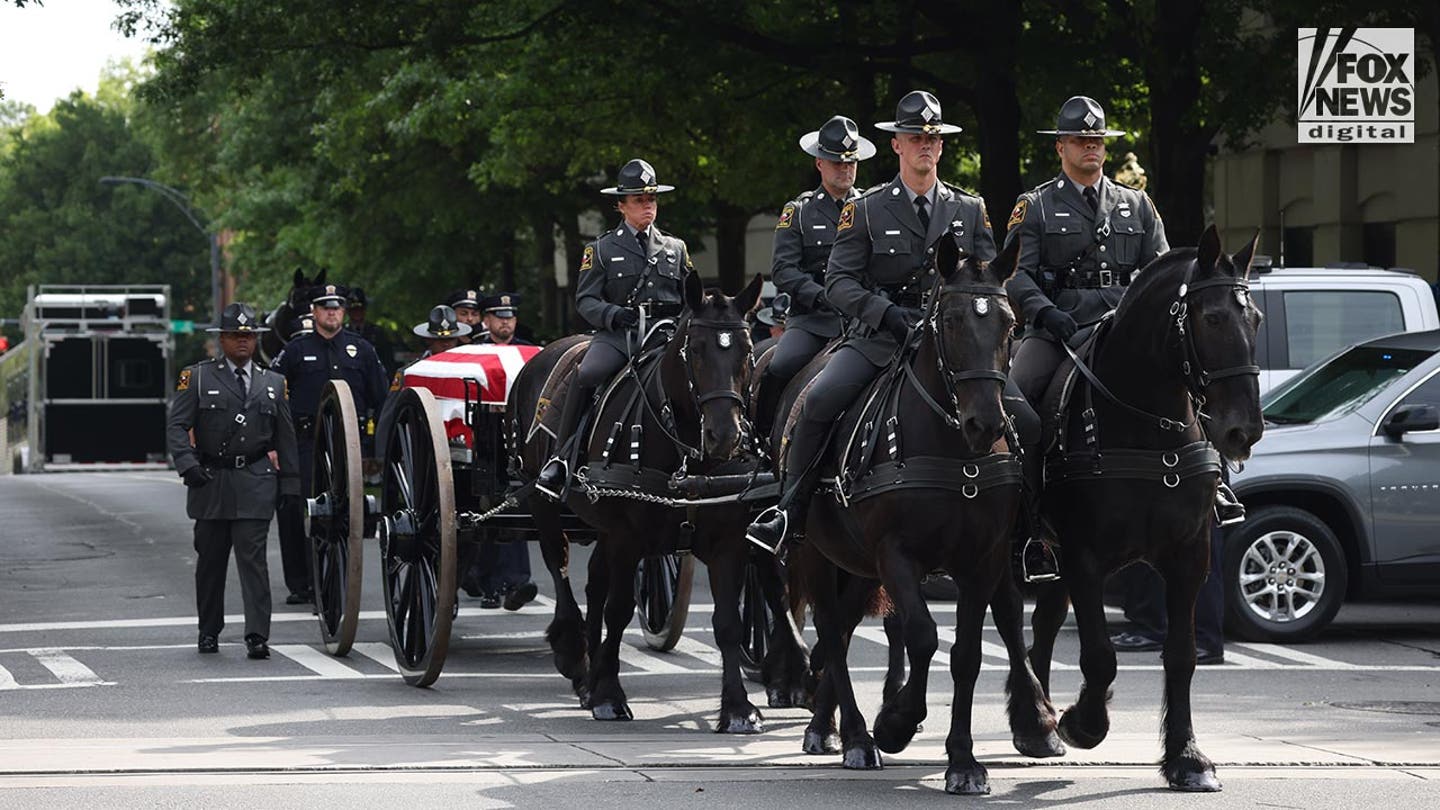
1171, 380
946, 498
296, 303
686, 407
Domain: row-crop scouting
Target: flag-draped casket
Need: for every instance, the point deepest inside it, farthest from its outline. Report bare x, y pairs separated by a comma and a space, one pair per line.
493, 367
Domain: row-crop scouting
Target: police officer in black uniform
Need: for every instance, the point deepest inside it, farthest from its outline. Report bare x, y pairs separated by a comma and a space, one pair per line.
357, 311
239, 416
500, 315
880, 267
629, 270
804, 235
466, 304
307, 363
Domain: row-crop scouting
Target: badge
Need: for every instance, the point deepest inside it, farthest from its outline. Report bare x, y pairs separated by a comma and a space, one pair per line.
1017, 216
183, 384
726, 340
847, 218
785, 215
1124, 212
587, 258
982, 306
351, 350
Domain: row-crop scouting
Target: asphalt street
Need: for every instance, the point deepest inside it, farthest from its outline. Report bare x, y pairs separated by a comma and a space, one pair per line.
105, 703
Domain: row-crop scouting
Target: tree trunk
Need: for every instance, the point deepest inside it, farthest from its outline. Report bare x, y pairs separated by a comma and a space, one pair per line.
1178, 143
730, 225
570, 230
549, 309
998, 109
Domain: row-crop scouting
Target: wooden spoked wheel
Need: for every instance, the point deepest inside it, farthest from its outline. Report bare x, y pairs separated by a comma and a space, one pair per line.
336, 525
756, 618
662, 596
417, 537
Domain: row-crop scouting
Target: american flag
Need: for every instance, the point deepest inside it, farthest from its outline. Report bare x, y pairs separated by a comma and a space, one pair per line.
493, 367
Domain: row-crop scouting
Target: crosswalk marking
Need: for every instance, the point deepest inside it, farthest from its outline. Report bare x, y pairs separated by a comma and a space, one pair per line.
321, 664
7, 681
1232, 657
66, 669
381, 654
1294, 655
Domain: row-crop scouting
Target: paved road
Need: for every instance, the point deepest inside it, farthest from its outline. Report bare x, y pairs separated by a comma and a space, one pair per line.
103, 701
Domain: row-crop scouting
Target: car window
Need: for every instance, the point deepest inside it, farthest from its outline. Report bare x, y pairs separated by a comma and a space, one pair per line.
1346, 382
1427, 393
1320, 322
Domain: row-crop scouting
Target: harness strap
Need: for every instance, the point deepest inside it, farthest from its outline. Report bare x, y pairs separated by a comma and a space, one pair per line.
969, 477
1162, 422
1169, 467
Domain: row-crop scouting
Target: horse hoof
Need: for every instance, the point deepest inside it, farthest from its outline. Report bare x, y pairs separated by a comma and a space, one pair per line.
801, 697
1040, 746
862, 758
1195, 782
893, 732
748, 723
611, 710
1071, 732
778, 698
820, 743
973, 781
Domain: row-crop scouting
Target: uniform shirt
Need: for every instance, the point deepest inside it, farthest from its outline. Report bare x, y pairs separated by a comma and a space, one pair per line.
804, 237
1056, 227
881, 250
309, 361
208, 400
379, 339
613, 277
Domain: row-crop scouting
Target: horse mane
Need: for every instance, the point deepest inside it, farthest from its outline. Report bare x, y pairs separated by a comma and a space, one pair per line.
1160, 277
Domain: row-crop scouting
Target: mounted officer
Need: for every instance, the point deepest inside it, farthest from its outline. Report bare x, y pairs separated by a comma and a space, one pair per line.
880, 268
630, 276
804, 236
239, 417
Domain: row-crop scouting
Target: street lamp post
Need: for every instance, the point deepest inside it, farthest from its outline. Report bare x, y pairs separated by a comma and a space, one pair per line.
182, 202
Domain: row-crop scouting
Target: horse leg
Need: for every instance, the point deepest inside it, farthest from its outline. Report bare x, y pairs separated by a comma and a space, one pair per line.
964, 775
1032, 717
597, 584
831, 606
1052, 604
784, 670
565, 633
608, 701
895, 663
737, 714
1087, 722
1184, 766
899, 719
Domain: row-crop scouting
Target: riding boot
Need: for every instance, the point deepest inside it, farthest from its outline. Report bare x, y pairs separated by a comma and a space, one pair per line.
1038, 561
767, 395
1228, 508
787, 518
555, 475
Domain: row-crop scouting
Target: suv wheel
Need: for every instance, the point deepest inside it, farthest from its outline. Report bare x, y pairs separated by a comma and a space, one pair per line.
1285, 576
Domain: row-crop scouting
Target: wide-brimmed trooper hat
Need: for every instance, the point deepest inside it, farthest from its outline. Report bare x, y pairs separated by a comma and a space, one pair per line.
838, 140
918, 112
239, 318
442, 324
502, 305
1082, 115
636, 177
329, 296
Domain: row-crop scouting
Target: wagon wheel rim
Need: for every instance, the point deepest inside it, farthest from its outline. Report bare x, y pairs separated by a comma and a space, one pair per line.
336, 518
417, 549
663, 585
756, 622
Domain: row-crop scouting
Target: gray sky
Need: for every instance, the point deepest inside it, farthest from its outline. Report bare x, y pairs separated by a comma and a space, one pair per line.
48, 51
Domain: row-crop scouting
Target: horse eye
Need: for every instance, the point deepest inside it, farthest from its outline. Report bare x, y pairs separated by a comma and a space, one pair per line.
1213, 318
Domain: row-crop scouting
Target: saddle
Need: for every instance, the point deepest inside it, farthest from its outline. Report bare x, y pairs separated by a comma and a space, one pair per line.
1054, 408
557, 385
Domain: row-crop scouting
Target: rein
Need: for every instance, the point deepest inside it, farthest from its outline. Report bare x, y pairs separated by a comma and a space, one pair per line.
664, 417
947, 374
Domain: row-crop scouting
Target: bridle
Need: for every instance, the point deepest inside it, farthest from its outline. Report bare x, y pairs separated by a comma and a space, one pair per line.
665, 418
952, 378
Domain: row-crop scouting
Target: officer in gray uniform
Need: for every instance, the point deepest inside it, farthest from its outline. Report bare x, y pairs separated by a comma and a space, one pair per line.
804, 236
239, 414
628, 270
881, 266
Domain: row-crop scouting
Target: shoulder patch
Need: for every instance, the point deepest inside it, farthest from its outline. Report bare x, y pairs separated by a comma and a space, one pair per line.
985, 215
847, 217
689, 265
786, 215
184, 382
587, 259
1017, 216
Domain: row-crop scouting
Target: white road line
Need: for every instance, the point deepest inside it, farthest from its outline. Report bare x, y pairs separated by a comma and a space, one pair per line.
378, 652
699, 649
65, 668
317, 662
648, 661
1294, 655
1232, 657
7, 681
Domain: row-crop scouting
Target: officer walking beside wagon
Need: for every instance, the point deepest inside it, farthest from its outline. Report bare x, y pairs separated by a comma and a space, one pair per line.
240, 420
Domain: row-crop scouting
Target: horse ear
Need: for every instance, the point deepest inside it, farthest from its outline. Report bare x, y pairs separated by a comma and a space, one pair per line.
947, 255
1209, 249
1245, 256
299, 277
694, 291
750, 296
1003, 266
320, 279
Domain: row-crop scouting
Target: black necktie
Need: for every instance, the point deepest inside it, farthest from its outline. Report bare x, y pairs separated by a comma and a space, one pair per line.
644, 239
240, 375
1093, 198
920, 204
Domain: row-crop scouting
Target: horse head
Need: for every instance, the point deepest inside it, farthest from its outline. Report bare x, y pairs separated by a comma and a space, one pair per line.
715, 358
1218, 336
970, 321
296, 303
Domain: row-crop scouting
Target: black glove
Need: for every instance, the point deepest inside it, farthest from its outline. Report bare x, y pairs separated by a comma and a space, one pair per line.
899, 320
197, 477
291, 503
626, 318
1058, 323
822, 304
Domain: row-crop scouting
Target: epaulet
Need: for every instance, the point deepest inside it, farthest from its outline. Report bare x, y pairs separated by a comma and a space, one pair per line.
805, 196
961, 191
1041, 187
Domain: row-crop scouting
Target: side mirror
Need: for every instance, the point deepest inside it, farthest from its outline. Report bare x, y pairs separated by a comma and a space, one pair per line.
1411, 418
780, 305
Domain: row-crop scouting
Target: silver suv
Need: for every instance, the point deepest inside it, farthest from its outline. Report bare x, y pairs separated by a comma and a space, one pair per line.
1343, 491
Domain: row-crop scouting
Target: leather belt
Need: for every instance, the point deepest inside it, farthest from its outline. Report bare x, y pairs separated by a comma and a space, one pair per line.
233, 462
1087, 279
660, 309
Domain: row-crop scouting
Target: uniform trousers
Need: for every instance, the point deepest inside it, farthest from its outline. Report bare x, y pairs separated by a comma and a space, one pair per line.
294, 545
795, 348
1036, 359
213, 541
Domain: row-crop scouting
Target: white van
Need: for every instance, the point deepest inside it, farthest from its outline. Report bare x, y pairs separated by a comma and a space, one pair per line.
1313, 312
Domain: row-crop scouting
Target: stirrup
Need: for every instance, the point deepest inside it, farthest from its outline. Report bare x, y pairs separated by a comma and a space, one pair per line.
1228, 508
558, 492
1051, 561
771, 515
